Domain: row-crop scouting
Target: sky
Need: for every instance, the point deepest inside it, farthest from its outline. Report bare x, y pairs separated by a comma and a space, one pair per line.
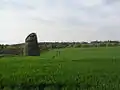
59, 20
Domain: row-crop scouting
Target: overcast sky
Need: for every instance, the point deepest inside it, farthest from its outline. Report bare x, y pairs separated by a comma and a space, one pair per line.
59, 20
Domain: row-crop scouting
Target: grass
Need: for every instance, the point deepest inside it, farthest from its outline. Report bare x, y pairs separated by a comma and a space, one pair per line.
75, 68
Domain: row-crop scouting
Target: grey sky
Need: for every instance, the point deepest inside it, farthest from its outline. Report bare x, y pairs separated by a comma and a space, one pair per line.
59, 20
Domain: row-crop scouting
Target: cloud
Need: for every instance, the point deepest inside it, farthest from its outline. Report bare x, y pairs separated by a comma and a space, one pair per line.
64, 20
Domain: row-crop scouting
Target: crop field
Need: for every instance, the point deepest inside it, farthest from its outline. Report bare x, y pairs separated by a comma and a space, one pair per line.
72, 69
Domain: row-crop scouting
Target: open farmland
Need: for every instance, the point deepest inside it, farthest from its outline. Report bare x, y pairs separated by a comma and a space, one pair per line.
81, 68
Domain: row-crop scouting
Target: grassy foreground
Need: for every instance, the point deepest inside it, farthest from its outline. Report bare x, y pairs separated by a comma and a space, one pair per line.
75, 68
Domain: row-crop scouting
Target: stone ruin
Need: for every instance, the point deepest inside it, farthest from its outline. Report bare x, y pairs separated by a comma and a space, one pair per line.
31, 45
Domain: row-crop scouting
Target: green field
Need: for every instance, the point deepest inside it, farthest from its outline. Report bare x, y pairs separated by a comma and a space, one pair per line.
74, 69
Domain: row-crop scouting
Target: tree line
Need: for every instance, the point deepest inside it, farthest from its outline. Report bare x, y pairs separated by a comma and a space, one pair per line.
55, 45
18, 49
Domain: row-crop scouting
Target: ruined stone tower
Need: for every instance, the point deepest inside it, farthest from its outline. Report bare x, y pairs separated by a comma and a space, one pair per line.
31, 45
